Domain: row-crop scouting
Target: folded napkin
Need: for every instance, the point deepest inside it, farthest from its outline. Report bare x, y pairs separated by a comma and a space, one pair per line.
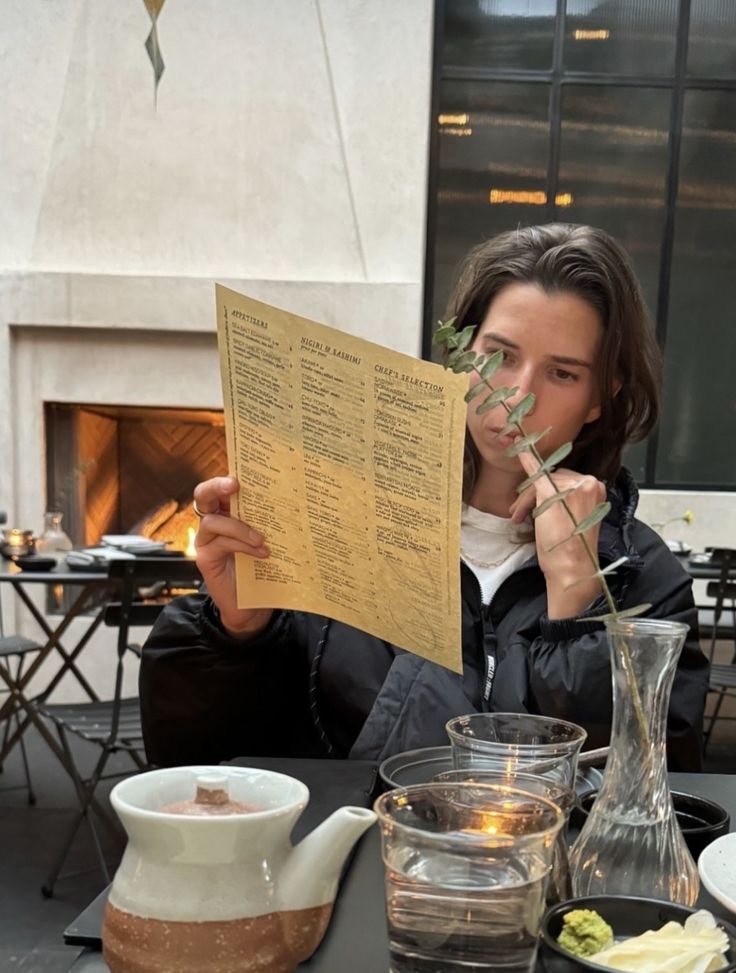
94, 557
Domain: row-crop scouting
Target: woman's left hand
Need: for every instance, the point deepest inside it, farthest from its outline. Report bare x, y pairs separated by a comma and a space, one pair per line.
567, 568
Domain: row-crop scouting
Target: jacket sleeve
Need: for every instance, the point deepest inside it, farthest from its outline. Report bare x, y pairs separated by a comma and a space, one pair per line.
207, 697
569, 662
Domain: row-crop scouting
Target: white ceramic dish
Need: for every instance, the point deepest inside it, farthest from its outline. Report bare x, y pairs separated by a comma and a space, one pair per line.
132, 540
717, 867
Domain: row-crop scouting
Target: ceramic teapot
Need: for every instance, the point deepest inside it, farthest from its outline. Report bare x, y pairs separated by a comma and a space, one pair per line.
210, 882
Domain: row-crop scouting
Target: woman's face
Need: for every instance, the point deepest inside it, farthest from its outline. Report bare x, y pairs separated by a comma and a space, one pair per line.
550, 343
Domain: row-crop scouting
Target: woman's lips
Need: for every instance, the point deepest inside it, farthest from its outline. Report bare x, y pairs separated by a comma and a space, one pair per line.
503, 441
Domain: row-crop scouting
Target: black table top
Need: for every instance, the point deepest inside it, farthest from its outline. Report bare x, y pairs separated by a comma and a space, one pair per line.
356, 939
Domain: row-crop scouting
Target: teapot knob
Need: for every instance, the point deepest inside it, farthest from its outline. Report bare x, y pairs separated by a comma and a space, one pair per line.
211, 789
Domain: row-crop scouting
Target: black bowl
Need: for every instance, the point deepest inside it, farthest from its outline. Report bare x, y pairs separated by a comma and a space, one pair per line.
627, 916
35, 562
701, 821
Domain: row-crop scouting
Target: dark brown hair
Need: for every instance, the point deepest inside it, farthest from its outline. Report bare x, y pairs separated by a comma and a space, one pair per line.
587, 262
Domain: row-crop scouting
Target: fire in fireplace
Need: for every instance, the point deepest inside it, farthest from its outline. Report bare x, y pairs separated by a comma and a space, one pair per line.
130, 469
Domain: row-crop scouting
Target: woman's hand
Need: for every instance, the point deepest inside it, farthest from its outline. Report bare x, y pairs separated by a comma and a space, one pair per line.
220, 536
567, 569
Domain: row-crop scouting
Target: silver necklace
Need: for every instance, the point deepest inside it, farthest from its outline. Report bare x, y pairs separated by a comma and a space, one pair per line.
488, 564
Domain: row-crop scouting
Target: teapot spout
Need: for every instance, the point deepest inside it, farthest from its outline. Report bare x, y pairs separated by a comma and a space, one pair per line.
313, 868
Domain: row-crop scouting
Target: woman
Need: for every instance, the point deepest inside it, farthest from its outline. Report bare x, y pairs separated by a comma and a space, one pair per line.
563, 305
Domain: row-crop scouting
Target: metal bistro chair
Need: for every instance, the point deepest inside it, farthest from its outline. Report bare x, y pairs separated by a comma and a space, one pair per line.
115, 725
14, 650
719, 622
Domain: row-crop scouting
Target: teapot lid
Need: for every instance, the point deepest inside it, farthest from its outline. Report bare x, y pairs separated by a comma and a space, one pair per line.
212, 797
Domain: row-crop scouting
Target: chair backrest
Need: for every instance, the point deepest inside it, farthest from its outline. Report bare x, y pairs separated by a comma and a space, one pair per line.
722, 591
162, 573
134, 574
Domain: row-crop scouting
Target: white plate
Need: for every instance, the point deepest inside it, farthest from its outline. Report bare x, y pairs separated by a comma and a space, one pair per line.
679, 547
717, 867
131, 540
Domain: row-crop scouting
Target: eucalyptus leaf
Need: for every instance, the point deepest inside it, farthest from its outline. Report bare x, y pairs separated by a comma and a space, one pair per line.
557, 457
610, 568
599, 574
560, 543
475, 390
466, 336
546, 504
497, 396
491, 365
617, 616
521, 408
526, 442
530, 480
593, 518
462, 361
443, 333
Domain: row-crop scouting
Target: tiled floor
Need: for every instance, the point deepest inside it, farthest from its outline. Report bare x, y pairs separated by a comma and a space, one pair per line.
31, 927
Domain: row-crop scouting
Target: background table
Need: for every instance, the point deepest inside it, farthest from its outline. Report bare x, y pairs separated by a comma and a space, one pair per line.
356, 939
96, 588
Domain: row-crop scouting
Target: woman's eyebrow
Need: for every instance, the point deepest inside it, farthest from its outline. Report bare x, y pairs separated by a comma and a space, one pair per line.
499, 339
564, 360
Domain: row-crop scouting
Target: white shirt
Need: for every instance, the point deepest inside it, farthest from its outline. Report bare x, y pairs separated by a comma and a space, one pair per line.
490, 547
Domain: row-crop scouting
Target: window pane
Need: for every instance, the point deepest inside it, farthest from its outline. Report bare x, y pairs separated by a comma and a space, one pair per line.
712, 39
499, 34
613, 165
635, 459
493, 136
698, 438
631, 38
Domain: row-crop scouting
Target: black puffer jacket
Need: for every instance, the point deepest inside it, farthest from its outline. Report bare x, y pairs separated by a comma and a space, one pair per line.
308, 685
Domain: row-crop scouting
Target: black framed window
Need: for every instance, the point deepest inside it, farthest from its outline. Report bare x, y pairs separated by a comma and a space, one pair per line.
618, 115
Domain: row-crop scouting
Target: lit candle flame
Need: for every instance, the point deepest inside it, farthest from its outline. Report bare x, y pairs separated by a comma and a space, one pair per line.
191, 550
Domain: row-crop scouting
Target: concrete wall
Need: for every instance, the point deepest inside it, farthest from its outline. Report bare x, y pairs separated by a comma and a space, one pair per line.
285, 155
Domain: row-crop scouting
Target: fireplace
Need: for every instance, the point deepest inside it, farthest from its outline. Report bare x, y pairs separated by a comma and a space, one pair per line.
122, 469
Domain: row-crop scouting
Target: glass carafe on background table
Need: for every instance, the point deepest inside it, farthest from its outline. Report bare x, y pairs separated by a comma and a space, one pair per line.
54, 541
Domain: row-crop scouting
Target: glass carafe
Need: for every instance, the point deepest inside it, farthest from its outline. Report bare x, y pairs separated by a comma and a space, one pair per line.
631, 843
54, 541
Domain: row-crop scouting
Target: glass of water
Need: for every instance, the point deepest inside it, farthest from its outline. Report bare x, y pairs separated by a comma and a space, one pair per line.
513, 742
467, 866
559, 886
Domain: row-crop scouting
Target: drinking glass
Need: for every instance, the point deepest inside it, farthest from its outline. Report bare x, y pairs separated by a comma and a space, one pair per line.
559, 887
508, 742
466, 869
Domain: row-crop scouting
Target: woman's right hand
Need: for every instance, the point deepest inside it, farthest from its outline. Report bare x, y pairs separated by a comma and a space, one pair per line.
219, 537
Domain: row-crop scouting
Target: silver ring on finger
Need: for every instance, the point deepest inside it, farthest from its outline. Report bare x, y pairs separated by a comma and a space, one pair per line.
198, 512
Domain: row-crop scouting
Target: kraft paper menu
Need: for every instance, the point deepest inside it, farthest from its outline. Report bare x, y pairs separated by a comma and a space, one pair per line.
349, 458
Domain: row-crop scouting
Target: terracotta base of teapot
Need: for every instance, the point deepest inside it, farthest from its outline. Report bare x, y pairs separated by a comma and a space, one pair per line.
273, 943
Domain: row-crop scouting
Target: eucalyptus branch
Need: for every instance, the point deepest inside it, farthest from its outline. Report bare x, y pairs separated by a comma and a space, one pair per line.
460, 359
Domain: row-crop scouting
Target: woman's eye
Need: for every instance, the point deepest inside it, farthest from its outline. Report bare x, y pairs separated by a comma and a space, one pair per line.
564, 376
